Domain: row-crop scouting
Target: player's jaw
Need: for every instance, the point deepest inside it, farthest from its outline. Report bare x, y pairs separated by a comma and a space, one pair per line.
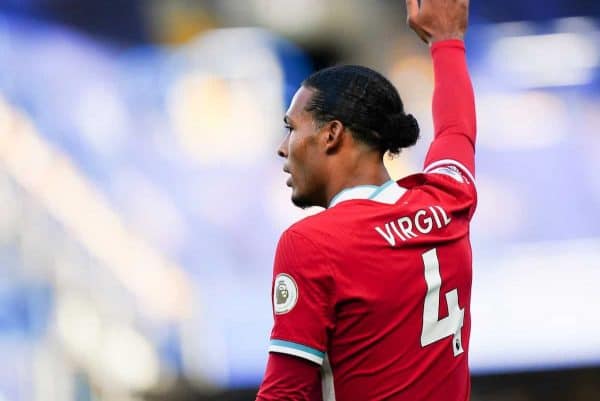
300, 194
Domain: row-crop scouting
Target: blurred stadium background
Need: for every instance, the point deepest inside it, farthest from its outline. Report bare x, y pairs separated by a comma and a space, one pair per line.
142, 199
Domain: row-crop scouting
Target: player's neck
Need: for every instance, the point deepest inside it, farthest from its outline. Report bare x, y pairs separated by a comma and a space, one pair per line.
357, 171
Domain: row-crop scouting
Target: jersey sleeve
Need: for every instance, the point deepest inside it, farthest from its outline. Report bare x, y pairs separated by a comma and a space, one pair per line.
302, 293
453, 111
290, 378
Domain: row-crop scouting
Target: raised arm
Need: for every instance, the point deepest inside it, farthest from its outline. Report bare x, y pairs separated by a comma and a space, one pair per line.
442, 24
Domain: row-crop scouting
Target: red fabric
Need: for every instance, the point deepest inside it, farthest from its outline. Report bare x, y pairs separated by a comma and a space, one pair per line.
453, 106
360, 273
314, 308
289, 378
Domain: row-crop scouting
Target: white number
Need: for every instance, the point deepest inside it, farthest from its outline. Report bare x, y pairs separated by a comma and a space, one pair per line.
434, 329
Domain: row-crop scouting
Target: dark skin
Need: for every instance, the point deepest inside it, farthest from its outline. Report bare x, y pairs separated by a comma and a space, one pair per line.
322, 160
436, 20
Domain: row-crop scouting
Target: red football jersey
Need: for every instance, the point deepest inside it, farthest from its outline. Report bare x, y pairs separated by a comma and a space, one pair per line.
376, 289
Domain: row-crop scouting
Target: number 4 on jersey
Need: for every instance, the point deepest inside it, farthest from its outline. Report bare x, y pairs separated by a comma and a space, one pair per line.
434, 329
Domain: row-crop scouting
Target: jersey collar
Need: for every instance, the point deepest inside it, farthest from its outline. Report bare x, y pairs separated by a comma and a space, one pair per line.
388, 193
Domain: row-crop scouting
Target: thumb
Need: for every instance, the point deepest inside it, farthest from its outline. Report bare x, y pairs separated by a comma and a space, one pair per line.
412, 10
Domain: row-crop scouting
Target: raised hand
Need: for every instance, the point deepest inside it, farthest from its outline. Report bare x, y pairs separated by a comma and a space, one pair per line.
435, 20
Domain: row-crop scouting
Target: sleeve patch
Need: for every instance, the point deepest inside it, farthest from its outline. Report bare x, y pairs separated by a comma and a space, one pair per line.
285, 294
451, 168
450, 171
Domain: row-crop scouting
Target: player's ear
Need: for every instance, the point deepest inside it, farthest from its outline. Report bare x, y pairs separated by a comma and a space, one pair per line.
334, 135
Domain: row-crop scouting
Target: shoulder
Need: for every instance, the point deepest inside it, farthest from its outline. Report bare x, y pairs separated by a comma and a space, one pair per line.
316, 226
447, 184
301, 236
310, 237
302, 254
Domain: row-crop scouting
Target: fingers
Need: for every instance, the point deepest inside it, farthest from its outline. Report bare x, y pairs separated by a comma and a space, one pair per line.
435, 20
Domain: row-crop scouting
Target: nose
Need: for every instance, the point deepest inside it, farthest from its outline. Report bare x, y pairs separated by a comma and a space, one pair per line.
282, 151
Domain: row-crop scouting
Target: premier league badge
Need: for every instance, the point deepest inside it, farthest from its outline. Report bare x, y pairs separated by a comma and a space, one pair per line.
285, 294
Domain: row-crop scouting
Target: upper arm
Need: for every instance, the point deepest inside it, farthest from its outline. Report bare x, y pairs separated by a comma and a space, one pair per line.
302, 299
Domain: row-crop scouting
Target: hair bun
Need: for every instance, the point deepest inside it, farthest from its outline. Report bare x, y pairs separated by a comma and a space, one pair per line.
401, 131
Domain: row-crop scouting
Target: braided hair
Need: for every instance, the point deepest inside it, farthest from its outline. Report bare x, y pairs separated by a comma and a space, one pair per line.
366, 103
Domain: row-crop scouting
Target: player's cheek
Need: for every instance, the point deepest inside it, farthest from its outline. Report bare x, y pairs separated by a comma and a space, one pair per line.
295, 159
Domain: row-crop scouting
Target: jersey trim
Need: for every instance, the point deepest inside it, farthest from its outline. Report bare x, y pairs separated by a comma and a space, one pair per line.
380, 189
359, 192
388, 193
299, 350
446, 162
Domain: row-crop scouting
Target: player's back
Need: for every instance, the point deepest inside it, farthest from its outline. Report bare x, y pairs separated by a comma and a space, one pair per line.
400, 258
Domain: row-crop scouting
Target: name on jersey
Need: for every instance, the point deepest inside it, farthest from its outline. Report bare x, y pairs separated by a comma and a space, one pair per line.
423, 221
